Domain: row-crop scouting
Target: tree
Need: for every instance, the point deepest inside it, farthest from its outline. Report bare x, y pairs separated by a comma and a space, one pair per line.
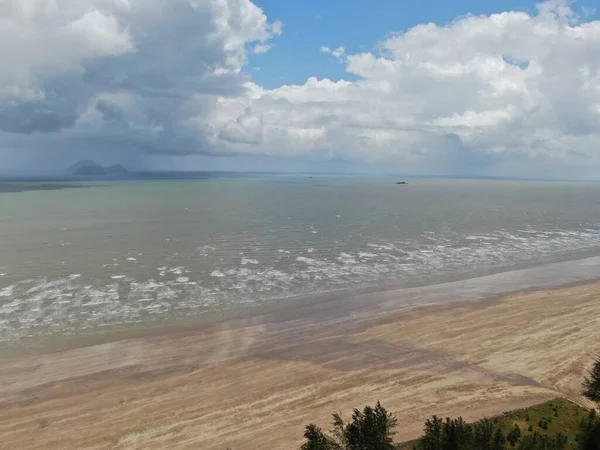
317, 440
483, 435
514, 435
338, 431
451, 434
538, 441
560, 442
458, 434
370, 429
588, 437
499, 440
432, 434
591, 383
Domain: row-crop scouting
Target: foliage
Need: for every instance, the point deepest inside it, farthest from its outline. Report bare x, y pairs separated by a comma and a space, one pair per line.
537, 441
456, 434
369, 429
591, 383
514, 436
588, 437
373, 428
567, 423
483, 434
317, 440
432, 437
568, 431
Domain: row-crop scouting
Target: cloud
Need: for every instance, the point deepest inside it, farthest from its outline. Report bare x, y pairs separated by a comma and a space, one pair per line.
247, 129
504, 93
129, 72
588, 11
481, 92
261, 48
339, 52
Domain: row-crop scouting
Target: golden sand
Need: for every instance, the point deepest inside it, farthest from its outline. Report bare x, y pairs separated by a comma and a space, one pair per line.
255, 383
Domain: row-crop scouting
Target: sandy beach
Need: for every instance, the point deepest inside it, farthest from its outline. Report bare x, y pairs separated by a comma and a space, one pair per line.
254, 383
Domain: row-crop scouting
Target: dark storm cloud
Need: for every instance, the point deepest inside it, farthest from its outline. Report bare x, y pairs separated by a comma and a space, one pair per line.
143, 97
25, 118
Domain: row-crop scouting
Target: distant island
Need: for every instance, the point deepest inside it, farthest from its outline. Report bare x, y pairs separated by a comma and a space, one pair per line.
89, 168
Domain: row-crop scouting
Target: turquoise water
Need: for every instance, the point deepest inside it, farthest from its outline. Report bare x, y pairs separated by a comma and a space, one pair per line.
139, 252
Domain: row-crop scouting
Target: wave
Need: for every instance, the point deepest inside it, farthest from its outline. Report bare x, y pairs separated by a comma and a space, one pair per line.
40, 306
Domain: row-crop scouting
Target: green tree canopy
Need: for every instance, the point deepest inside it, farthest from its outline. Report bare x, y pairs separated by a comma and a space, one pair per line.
373, 428
591, 384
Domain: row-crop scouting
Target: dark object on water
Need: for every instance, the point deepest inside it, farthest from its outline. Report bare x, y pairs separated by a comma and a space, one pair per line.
401, 182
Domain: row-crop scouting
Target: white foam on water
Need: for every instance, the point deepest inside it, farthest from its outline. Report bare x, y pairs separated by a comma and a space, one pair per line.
167, 293
205, 250
47, 305
309, 261
131, 258
367, 255
382, 246
7, 291
481, 238
248, 261
346, 258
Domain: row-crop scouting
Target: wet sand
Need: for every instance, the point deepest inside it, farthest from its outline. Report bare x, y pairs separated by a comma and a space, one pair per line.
254, 383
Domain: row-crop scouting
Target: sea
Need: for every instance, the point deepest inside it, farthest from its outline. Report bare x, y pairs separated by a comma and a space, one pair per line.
92, 257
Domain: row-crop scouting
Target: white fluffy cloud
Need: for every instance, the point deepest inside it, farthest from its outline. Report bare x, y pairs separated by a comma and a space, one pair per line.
499, 93
480, 92
97, 73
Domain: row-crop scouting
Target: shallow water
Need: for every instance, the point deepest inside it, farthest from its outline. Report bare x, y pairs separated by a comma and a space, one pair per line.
142, 252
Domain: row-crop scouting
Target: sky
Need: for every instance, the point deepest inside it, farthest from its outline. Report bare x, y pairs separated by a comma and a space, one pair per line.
465, 88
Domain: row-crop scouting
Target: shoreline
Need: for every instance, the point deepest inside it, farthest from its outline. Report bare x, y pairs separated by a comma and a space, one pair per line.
255, 382
561, 273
